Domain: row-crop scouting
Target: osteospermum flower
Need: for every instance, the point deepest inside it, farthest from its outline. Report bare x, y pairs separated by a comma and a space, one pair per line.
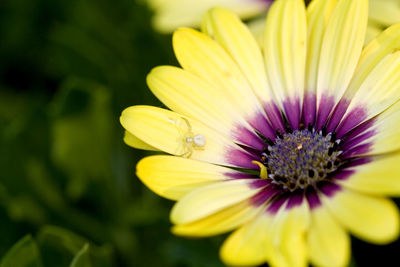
293, 148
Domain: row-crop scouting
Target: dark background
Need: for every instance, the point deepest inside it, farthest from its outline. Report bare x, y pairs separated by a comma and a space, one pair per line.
67, 70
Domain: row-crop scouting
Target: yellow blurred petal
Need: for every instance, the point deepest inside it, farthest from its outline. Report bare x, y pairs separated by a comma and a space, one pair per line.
285, 48
247, 246
318, 14
384, 12
328, 243
210, 199
203, 56
168, 131
223, 221
341, 48
379, 177
177, 13
172, 177
135, 142
236, 38
373, 30
370, 218
257, 28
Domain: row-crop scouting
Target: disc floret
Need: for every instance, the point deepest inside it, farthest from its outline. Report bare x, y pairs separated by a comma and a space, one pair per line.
302, 158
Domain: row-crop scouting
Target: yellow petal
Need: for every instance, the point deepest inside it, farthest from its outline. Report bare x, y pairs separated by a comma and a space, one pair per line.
285, 49
247, 245
211, 198
378, 92
135, 142
373, 30
171, 132
370, 218
173, 14
172, 177
386, 43
288, 240
257, 28
203, 56
341, 48
189, 95
318, 14
223, 221
385, 137
384, 12
236, 38
328, 243
379, 177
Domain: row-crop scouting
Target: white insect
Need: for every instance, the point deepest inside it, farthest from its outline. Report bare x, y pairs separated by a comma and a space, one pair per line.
189, 140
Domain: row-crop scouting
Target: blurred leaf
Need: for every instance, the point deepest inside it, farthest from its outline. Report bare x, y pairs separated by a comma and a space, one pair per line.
41, 182
81, 258
196, 253
26, 208
62, 247
81, 128
24, 253
62, 237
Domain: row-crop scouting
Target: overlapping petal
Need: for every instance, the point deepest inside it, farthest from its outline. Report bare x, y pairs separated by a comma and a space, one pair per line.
222, 221
379, 91
167, 131
381, 47
318, 15
247, 246
373, 219
285, 54
383, 134
288, 237
212, 198
341, 48
328, 243
203, 56
172, 14
236, 38
135, 142
381, 176
172, 177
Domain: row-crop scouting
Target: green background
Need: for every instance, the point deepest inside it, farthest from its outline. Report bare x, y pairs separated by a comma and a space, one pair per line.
68, 191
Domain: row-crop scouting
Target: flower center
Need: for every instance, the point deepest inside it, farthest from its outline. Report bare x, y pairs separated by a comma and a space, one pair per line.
301, 158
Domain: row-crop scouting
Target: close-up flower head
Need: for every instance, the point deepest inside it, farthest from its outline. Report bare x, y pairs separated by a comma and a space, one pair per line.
293, 147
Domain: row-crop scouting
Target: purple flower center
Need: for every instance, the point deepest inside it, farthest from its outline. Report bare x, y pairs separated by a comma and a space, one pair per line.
306, 151
301, 158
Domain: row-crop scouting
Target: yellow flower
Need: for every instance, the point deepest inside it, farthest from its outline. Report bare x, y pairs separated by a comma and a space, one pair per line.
293, 148
382, 14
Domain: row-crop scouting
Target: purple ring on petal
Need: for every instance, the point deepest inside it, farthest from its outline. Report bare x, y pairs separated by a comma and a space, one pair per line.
305, 150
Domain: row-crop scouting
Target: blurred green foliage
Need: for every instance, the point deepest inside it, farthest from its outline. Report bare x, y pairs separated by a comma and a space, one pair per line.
68, 191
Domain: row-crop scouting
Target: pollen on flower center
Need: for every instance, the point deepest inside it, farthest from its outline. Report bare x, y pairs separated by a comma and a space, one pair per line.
301, 158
